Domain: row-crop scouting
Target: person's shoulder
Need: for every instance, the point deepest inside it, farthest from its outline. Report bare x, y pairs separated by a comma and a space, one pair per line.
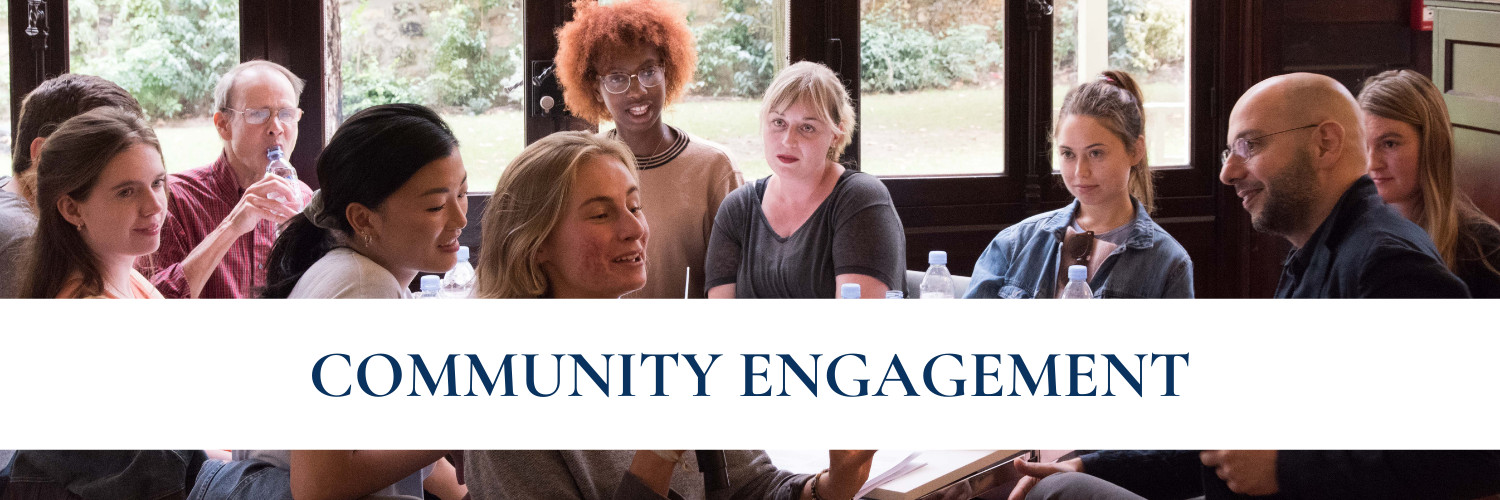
194, 183
708, 152
862, 188
1163, 241
342, 272
1483, 231
744, 196
16, 214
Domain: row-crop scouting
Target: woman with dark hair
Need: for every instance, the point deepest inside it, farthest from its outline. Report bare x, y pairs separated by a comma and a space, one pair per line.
1410, 141
101, 190
625, 62
394, 199
1107, 232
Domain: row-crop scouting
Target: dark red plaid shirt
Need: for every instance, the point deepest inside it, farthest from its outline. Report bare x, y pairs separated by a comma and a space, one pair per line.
199, 200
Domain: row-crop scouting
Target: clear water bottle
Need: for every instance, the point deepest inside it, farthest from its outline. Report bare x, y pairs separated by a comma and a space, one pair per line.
1078, 284
431, 288
938, 283
278, 166
849, 291
458, 283
895, 294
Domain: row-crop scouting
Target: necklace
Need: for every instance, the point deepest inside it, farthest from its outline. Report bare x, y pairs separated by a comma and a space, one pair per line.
108, 287
662, 144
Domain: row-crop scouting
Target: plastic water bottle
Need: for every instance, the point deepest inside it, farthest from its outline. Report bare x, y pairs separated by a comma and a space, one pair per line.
430, 287
938, 283
458, 283
895, 294
849, 291
278, 166
1078, 284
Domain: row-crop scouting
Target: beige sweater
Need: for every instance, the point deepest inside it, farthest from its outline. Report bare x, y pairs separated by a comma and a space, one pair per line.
681, 190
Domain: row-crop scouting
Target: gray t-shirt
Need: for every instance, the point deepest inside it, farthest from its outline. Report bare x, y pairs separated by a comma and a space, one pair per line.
17, 225
855, 231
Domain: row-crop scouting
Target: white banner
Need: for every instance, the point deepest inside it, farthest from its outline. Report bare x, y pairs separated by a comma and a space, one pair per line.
1246, 374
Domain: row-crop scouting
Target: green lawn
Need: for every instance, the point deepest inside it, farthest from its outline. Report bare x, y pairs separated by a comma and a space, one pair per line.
917, 133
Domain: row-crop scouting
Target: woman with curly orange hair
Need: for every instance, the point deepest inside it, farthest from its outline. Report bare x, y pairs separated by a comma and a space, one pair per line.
625, 62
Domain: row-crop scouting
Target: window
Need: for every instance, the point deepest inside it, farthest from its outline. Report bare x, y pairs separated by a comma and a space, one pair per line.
932, 83
1146, 38
169, 54
460, 58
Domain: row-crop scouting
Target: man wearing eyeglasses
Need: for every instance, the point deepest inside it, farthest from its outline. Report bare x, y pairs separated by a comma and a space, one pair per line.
222, 217
1297, 161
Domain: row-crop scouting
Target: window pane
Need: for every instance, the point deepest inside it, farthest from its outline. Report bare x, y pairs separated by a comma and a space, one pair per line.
1148, 39
933, 98
461, 58
169, 54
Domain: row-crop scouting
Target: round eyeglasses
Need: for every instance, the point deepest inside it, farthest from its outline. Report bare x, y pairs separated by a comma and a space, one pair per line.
619, 82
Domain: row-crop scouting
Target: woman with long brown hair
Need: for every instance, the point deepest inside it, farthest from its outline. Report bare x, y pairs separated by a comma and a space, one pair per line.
1410, 141
101, 191
1107, 232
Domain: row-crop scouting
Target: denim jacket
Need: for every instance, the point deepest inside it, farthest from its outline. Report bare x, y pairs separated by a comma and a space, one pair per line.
1022, 262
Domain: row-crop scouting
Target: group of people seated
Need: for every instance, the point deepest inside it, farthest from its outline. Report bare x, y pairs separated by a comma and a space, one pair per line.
1363, 188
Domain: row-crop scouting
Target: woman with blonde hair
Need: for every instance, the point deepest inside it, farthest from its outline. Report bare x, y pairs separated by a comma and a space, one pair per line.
813, 226
1410, 141
565, 222
1106, 236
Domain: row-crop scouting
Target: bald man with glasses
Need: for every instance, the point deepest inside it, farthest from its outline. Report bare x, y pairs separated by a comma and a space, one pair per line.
223, 216
1297, 161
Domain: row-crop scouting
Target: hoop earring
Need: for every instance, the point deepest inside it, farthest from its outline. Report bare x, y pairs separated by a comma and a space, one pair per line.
368, 239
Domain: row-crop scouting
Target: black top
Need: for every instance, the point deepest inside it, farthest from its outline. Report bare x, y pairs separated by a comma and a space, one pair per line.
854, 231
1478, 243
1365, 249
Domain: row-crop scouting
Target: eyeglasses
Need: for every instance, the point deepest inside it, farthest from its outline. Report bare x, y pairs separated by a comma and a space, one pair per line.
257, 116
1245, 148
618, 83
1079, 246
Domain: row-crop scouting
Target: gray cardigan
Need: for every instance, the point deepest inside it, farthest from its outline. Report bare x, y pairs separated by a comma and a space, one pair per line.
604, 475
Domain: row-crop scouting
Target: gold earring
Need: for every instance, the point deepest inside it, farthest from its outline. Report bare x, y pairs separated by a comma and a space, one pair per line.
368, 239
80, 227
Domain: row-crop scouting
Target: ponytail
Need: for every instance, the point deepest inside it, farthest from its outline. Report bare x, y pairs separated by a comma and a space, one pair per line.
1115, 100
369, 157
300, 245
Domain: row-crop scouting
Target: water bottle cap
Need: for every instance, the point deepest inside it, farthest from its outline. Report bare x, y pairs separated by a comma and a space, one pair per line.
463, 253
274, 153
1078, 273
430, 283
849, 291
937, 258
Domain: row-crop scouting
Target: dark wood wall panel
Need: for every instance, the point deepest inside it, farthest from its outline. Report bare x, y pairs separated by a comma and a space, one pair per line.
29, 67
1348, 40
292, 33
